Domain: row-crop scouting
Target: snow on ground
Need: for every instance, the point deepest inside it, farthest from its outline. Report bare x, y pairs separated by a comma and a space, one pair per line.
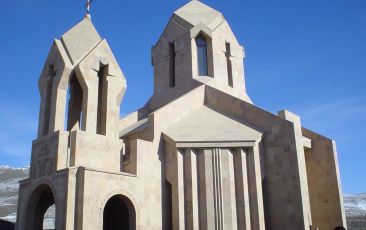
355, 205
11, 217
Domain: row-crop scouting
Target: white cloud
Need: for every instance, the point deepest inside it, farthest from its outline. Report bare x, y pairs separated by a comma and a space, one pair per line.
343, 120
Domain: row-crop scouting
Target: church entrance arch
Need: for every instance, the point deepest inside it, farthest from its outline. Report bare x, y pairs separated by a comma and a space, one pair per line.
40, 201
119, 214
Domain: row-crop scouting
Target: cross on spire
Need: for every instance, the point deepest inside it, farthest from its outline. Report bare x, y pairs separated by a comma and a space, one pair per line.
88, 5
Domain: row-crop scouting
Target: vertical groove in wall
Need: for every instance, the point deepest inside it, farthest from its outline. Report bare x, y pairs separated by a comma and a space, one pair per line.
232, 217
195, 201
219, 187
215, 186
216, 171
202, 198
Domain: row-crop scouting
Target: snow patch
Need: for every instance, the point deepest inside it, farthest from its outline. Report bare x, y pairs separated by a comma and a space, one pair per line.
5, 167
11, 217
362, 205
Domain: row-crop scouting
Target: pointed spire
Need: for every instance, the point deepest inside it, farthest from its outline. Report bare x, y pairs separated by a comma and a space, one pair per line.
80, 39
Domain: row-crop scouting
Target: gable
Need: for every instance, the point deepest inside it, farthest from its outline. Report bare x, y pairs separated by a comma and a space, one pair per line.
209, 126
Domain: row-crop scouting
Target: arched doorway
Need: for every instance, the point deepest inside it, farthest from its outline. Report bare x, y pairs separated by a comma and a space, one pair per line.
40, 201
119, 214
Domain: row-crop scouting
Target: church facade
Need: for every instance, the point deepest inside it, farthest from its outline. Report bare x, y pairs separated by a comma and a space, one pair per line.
198, 155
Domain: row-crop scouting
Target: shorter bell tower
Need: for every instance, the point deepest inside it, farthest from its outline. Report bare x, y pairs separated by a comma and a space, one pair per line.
81, 88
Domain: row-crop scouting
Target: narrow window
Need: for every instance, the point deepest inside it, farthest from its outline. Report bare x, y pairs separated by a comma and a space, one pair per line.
47, 109
229, 65
75, 104
171, 65
201, 43
102, 100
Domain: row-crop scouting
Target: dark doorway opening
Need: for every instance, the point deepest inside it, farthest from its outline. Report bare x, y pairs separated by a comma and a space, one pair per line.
119, 214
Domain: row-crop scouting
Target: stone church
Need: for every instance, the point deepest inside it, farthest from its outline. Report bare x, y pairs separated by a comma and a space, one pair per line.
198, 155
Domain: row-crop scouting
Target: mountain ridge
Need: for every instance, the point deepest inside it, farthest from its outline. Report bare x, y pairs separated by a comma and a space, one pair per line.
355, 204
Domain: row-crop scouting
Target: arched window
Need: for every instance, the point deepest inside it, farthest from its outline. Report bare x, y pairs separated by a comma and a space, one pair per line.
74, 104
102, 100
201, 43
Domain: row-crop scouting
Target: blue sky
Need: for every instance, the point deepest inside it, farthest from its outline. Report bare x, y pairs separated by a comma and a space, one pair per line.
306, 56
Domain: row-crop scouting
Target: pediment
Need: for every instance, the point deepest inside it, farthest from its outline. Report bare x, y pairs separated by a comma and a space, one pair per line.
206, 126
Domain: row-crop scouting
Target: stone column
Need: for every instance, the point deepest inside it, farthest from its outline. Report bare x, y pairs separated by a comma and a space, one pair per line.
228, 190
178, 193
255, 189
301, 165
205, 188
242, 190
191, 190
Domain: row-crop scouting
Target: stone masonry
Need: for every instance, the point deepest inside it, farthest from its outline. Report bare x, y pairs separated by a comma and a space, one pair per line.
198, 155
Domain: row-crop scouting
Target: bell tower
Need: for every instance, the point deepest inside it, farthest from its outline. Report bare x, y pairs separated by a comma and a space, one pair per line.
81, 88
197, 47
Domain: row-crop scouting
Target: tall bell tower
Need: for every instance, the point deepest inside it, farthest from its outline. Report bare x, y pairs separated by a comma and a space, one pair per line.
81, 88
197, 48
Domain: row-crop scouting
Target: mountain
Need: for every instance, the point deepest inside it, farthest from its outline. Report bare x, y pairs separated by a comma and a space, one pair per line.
9, 178
355, 205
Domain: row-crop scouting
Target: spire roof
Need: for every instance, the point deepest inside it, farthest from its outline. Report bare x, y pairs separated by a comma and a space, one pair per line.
80, 39
195, 12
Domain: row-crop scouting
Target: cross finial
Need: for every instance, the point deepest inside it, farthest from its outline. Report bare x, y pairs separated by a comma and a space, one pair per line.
87, 6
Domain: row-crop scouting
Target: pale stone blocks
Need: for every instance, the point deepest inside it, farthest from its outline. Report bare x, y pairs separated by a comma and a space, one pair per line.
198, 155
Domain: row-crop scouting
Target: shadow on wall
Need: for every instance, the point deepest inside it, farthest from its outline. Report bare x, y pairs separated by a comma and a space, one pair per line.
6, 225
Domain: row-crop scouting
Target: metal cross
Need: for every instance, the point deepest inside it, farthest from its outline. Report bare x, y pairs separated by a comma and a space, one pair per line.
87, 6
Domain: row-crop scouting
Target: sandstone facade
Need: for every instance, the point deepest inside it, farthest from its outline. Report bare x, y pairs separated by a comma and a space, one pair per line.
198, 155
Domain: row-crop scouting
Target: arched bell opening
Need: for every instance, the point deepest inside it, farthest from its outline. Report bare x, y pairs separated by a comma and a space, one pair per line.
119, 214
74, 106
39, 204
102, 100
